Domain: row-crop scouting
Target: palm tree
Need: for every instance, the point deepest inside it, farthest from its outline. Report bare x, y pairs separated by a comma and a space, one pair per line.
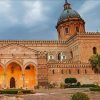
95, 62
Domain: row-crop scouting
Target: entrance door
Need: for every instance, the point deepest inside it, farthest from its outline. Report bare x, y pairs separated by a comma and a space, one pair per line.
12, 82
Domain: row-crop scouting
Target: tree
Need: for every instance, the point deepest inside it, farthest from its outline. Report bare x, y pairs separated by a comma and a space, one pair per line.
95, 63
70, 80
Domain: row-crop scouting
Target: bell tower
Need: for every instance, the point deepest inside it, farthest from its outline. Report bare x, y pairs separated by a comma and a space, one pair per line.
69, 23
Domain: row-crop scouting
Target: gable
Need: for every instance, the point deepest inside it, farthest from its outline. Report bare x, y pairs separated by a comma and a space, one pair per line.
16, 49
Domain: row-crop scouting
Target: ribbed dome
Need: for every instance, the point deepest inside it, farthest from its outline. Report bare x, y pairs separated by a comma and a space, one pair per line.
68, 13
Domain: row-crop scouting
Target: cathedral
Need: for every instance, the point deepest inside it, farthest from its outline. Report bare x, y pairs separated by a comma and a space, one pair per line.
29, 63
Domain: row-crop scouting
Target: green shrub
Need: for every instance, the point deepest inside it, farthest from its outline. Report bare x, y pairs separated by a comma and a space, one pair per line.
95, 89
88, 85
8, 91
80, 96
16, 91
70, 80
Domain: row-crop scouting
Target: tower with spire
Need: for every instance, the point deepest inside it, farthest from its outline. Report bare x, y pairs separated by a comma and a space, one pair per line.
69, 23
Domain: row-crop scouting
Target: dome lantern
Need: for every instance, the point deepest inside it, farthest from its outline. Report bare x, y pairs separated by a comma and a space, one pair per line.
67, 5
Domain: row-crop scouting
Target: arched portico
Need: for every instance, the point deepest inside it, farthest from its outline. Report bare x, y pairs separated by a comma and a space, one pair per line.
14, 75
1, 76
30, 73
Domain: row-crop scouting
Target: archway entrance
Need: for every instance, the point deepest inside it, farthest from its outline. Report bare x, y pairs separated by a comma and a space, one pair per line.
30, 76
1, 77
12, 82
14, 76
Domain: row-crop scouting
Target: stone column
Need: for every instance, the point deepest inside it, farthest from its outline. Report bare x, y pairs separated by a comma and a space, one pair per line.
23, 77
4, 80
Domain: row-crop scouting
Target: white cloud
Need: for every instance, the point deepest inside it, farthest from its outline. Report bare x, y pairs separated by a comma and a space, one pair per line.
88, 5
36, 12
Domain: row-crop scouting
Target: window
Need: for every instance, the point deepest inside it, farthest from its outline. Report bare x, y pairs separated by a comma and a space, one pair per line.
78, 71
77, 29
27, 68
69, 71
71, 53
64, 57
94, 50
51, 57
62, 72
53, 72
66, 30
59, 56
85, 71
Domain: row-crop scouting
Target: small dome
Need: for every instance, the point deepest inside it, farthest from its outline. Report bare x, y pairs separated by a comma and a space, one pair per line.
68, 13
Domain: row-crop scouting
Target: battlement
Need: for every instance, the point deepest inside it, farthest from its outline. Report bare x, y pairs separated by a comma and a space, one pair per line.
91, 33
31, 42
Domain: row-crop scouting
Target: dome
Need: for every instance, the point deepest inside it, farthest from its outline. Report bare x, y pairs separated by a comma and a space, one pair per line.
68, 13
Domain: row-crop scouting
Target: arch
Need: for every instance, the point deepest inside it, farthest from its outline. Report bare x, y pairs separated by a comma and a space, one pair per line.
28, 63
14, 60
14, 69
94, 50
12, 82
1, 76
30, 73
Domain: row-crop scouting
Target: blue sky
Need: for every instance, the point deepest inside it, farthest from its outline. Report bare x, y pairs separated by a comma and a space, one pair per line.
36, 19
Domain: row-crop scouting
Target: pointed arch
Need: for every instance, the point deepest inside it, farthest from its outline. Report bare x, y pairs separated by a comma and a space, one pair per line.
15, 61
14, 69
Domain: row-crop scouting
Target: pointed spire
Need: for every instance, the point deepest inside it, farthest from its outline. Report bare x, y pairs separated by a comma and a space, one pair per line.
67, 5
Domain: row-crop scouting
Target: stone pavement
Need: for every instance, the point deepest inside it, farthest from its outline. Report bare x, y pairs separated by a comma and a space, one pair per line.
54, 94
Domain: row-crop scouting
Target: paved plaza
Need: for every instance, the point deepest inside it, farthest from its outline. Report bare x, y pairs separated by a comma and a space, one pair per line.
53, 94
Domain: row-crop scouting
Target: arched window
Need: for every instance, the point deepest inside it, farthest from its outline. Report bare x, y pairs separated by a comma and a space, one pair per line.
77, 29
66, 30
62, 72
69, 71
53, 71
59, 56
94, 50
85, 71
71, 53
78, 71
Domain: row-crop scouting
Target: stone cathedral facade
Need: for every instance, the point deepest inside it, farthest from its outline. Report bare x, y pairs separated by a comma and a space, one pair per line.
26, 64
